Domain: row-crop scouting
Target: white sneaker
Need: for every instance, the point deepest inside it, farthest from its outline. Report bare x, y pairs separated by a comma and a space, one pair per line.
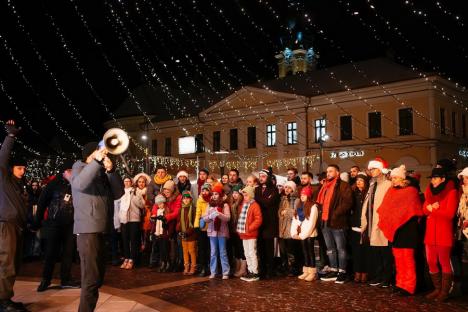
225, 277
212, 276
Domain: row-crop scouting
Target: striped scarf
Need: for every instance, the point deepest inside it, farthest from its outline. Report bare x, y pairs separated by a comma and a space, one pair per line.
243, 217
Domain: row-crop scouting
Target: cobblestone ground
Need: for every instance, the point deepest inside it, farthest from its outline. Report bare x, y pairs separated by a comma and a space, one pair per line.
175, 292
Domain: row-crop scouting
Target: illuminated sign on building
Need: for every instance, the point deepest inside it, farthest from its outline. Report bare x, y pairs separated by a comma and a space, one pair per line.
346, 154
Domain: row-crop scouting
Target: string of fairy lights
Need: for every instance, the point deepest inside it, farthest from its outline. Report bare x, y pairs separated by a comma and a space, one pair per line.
119, 17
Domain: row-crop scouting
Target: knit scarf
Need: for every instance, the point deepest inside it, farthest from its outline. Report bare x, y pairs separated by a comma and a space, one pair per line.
463, 206
200, 184
206, 197
141, 192
219, 207
300, 212
325, 197
439, 188
161, 181
398, 206
370, 205
189, 216
243, 217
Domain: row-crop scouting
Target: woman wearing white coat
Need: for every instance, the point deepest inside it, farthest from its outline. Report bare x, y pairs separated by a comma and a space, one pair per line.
304, 228
131, 209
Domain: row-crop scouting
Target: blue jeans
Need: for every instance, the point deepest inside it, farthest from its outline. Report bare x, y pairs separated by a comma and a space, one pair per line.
335, 240
218, 246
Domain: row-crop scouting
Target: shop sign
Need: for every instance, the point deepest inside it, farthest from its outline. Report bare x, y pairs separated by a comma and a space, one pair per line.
346, 154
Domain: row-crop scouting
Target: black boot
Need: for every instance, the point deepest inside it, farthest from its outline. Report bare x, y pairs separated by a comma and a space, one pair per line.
43, 285
202, 272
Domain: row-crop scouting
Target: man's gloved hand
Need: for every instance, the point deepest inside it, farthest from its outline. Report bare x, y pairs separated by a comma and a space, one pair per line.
11, 128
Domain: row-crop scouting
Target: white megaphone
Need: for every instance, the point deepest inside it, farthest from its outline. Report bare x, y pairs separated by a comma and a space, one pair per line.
116, 141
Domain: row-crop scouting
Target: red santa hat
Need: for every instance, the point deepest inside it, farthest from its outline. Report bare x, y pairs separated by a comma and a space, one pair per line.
378, 163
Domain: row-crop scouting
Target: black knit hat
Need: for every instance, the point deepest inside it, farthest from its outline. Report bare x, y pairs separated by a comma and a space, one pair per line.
88, 149
205, 170
67, 164
18, 161
438, 173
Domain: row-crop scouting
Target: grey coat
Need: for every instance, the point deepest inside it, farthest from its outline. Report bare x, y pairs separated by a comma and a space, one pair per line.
94, 192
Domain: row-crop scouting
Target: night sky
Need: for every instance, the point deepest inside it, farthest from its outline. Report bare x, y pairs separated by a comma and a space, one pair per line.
77, 59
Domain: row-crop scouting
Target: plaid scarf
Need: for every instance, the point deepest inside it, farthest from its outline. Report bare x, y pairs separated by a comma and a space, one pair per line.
243, 217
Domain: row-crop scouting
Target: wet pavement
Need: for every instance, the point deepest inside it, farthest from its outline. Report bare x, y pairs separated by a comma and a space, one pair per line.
175, 292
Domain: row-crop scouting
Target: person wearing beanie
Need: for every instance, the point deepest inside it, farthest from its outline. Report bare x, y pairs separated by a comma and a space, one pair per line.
203, 240
335, 199
141, 182
155, 187
440, 208
249, 222
290, 259
235, 243
359, 248
234, 180
173, 205
380, 251
267, 196
196, 187
462, 214
399, 213
160, 235
183, 182
304, 229
131, 212
13, 213
95, 186
187, 234
57, 228
217, 217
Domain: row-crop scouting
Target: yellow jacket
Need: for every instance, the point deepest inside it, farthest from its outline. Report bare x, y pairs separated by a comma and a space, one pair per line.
202, 207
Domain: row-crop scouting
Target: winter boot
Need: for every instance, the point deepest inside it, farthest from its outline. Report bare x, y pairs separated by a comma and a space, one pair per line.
242, 269
357, 277
447, 279
305, 273
363, 277
193, 269
436, 281
235, 266
312, 275
186, 268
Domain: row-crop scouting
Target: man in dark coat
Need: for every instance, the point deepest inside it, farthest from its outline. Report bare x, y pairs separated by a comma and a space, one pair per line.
95, 186
267, 196
335, 200
13, 215
57, 228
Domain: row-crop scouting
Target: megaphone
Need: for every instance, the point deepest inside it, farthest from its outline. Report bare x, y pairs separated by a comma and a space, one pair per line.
116, 141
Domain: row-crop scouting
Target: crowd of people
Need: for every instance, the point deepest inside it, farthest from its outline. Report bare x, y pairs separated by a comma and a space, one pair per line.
372, 226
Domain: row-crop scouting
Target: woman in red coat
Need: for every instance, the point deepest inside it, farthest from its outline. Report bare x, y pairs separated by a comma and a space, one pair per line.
399, 216
440, 207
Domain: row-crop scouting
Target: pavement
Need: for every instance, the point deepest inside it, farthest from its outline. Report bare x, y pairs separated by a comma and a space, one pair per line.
143, 289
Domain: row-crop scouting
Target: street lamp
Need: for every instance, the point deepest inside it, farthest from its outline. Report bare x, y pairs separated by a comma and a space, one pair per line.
323, 138
144, 138
222, 163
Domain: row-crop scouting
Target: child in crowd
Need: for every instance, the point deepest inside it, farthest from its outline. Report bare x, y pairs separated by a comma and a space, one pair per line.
160, 235
304, 228
250, 220
187, 233
217, 217
201, 228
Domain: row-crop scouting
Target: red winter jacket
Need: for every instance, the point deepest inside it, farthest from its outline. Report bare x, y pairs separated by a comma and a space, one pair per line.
253, 221
439, 226
173, 205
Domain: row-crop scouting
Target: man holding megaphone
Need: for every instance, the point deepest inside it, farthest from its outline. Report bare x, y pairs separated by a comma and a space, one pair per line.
95, 186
